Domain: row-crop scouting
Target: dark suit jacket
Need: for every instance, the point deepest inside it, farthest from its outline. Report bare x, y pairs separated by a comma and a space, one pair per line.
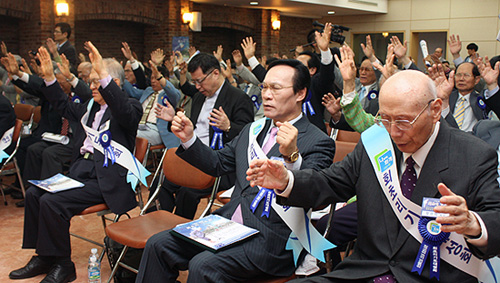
7, 120
479, 113
70, 52
125, 114
494, 103
267, 249
382, 245
235, 103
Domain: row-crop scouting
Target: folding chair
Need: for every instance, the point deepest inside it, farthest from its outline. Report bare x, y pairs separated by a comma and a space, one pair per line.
25, 112
348, 136
141, 146
10, 165
135, 232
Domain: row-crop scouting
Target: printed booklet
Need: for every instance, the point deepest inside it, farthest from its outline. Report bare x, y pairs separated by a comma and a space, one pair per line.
213, 232
57, 183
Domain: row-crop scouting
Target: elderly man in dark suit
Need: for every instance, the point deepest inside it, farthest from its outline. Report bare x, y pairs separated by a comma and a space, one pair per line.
286, 135
385, 251
219, 111
48, 215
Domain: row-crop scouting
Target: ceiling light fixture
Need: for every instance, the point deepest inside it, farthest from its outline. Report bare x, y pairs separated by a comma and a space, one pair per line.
331, 12
254, 3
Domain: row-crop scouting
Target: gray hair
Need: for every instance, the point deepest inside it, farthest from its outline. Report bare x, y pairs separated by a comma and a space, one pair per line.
114, 69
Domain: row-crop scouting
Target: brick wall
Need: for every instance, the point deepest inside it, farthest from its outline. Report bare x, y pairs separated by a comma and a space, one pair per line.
9, 33
293, 32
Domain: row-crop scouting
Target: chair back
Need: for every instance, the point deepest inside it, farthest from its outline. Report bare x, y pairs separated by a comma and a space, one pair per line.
348, 136
342, 148
141, 148
17, 130
179, 172
23, 112
37, 114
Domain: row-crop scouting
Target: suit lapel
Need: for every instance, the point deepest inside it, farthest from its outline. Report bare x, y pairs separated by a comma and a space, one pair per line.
478, 112
453, 100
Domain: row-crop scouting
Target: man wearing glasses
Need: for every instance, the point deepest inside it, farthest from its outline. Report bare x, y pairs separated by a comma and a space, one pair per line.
443, 163
219, 112
467, 106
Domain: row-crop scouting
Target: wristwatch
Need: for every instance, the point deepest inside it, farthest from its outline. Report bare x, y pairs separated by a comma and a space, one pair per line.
292, 157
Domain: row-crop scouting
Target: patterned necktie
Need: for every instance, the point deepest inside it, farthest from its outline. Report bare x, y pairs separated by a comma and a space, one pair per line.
409, 178
145, 115
64, 127
459, 114
271, 140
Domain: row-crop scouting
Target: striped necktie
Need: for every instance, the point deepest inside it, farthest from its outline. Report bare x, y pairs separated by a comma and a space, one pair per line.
459, 114
145, 115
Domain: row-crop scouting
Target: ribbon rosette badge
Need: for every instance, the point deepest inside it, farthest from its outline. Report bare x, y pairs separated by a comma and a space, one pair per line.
164, 100
105, 141
433, 237
372, 94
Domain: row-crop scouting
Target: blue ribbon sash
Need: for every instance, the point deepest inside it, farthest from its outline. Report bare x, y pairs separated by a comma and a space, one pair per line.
217, 138
307, 104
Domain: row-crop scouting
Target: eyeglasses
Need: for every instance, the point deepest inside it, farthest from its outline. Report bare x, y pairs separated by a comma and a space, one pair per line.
463, 75
198, 82
94, 83
403, 125
57, 31
273, 87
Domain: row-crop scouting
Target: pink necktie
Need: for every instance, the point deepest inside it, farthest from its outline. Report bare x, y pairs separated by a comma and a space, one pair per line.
271, 140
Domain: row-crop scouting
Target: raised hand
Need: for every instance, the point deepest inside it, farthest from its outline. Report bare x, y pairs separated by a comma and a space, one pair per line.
51, 45
332, 105
64, 67
489, 74
455, 45
81, 57
238, 59
389, 68
248, 47
11, 65
25, 68
368, 49
287, 138
323, 39
191, 51
46, 68
3, 48
267, 173
96, 60
399, 49
347, 67
444, 85
166, 113
157, 56
127, 52
218, 53
182, 127
179, 57
227, 72
219, 119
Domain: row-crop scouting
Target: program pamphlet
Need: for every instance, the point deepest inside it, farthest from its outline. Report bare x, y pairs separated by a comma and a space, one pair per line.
57, 183
213, 232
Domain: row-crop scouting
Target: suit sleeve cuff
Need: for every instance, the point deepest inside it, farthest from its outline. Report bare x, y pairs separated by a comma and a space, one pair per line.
189, 143
134, 65
295, 165
326, 57
347, 98
288, 189
105, 82
25, 77
489, 93
49, 83
482, 240
253, 62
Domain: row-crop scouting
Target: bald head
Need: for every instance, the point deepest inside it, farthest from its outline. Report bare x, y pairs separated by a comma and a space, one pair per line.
410, 96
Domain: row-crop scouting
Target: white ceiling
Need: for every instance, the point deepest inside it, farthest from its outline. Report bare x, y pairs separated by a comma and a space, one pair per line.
309, 8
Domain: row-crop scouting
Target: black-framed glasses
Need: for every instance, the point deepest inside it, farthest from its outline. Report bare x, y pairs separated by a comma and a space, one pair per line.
403, 125
198, 82
273, 87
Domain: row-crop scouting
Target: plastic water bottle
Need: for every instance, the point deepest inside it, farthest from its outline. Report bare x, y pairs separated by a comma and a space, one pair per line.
94, 269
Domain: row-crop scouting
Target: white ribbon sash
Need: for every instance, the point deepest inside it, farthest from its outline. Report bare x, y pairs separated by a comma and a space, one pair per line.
136, 172
5, 143
454, 250
296, 218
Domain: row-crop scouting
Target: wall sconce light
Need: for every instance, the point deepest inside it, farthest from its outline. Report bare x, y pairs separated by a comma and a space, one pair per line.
276, 25
62, 9
385, 34
187, 18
